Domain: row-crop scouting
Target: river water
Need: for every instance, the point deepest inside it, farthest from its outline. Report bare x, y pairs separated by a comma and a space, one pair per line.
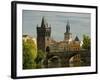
55, 64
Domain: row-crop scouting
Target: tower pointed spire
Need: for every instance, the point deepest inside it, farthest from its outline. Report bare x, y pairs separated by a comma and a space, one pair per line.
76, 38
68, 27
67, 34
44, 23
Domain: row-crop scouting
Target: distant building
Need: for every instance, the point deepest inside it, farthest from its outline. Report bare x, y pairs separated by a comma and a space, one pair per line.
44, 39
26, 37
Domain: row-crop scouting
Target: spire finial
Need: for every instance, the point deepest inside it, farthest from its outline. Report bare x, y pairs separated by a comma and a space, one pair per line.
44, 23
68, 27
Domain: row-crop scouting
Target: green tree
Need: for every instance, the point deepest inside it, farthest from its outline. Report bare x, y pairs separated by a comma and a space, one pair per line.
40, 57
29, 54
86, 42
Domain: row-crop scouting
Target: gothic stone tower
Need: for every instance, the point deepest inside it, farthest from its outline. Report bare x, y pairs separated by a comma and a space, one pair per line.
43, 35
67, 34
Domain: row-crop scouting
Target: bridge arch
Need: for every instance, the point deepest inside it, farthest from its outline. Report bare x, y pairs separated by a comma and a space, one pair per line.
54, 61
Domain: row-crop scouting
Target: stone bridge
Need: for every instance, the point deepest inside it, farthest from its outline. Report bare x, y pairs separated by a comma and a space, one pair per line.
65, 57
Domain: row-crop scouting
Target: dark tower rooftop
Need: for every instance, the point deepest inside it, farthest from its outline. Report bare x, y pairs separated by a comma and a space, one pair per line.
76, 39
68, 27
44, 23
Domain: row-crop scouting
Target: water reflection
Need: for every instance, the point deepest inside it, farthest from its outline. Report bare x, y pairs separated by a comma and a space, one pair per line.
75, 61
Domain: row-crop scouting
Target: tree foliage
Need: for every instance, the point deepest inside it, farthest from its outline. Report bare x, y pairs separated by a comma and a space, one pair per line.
32, 58
40, 56
86, 42
29, 54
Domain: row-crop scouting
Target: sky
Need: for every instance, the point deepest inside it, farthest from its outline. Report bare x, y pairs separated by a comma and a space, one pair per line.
79, 23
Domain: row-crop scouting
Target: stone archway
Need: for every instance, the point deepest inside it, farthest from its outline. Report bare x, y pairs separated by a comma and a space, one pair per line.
54, 61
75, 61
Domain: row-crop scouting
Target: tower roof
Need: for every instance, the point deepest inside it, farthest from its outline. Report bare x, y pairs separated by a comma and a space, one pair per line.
44, 23
76, 39
68, 27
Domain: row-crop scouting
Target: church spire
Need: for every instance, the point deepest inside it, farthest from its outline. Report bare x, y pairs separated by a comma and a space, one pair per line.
67, 34
68, 27
44, 23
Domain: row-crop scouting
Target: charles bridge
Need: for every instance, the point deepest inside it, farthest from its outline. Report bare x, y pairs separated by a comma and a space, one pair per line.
65, 56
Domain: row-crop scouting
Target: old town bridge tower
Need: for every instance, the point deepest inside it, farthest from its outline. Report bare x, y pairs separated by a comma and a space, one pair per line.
43, 35
67, 34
